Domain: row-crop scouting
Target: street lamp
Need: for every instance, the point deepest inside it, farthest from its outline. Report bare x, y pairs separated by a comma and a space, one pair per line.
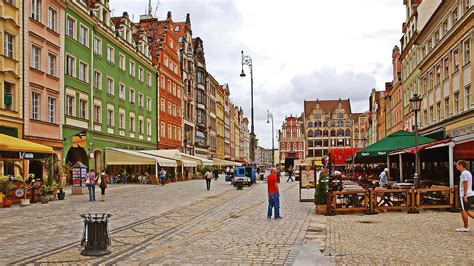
415, 104
270, 115
247, 60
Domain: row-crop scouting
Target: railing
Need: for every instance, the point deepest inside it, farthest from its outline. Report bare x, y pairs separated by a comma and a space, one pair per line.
434, 198
392, 199
350, 200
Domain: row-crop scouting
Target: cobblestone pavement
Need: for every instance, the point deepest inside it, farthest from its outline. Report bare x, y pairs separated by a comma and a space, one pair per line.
398, 238
180, 223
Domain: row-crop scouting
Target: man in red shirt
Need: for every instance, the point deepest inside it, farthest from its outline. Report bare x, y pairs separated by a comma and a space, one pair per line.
273, 195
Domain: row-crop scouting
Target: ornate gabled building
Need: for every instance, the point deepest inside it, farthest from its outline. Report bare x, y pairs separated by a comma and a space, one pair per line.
291, 140
201, 144
328, 126
186, 54
164, 50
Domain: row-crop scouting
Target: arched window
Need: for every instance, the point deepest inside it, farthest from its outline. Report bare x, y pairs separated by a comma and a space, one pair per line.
340, 133
310, 124
325, 123
318, 123
310, 133
339, 123
317, 133
356, 133
318, 115
348, 123
348, 133
333, 133
333, 123
325, 133
340, 115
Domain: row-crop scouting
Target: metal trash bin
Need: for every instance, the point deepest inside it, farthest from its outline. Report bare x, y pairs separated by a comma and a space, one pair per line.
95, 237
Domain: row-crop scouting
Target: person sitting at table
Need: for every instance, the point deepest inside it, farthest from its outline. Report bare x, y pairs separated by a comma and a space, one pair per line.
383, 178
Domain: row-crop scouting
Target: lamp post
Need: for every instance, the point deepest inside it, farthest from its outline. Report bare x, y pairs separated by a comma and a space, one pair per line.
247, 60
415, 104
270, 115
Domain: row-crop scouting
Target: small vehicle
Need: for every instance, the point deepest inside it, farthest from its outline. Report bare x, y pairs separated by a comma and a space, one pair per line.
244, 175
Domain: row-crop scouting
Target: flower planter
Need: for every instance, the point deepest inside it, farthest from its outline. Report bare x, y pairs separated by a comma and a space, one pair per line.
61, 195
44, 199
321, 209
7, 203
25, 202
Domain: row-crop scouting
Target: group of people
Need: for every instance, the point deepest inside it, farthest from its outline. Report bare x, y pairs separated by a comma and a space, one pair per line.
93, 179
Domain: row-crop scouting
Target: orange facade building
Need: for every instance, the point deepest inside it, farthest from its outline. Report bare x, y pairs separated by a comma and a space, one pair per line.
164, 49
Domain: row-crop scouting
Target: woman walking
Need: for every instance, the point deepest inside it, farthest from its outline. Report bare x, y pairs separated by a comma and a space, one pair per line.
103, 181
91, 180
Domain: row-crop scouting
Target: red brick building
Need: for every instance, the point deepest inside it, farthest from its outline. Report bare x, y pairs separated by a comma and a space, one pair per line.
292, 142
165, 51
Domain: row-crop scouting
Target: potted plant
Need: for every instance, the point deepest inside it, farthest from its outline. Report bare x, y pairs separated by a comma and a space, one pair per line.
61, 193
44, 195
321, 194
5, 186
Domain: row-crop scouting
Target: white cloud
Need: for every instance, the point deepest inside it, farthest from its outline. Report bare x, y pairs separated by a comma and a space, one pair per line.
302, 49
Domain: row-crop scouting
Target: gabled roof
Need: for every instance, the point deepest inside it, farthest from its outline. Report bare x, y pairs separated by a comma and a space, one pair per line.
326, 106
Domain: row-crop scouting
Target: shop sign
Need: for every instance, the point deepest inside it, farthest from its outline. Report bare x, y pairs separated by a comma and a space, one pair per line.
461, 131
26, 155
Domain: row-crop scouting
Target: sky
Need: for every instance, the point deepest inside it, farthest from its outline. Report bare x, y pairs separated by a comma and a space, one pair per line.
301, 49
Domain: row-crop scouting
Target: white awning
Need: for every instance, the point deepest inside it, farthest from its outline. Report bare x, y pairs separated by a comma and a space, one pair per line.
171, 154
128, 157
199, 160
220, 162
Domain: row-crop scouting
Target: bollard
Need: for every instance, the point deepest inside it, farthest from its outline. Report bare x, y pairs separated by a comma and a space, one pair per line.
95, 238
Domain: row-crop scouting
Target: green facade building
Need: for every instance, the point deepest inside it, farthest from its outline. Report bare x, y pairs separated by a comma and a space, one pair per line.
110, 85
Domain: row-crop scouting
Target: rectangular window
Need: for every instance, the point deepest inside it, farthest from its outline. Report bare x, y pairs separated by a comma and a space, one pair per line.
149, 81
170, 111
83, 35
169, 131
174, 89
456, 61
122, 121
8, 45
140, 74
97, 80
70, 66
438, 74
455, 15
70, 102
456, 103
162, 105
140, 100
52, 18
110, 54
174, 132
179, 134
166, 61
446, 68
35, 57
83, 71
445, 27
467, 97
35, 106
169, 86
148, 127
162, 81
122, 61
140, 126
36, 10
121, 91
83, 109
162, 129
446, 107
132, 68
467, 51
71, 27
97, 114
110, 117
110, 86
51, 110
132, 123
148, 104
174, 110
132, 96
97, 45
51, 64
438, 111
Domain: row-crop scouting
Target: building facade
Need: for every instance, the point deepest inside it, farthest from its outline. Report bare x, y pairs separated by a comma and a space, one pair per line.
220, 122
164, 50
212, 86
263, 157
201, 144
396, 94
245, 125
291, 139
44, 73
11, 70
446, 70
110, 85
227, 130
360, 127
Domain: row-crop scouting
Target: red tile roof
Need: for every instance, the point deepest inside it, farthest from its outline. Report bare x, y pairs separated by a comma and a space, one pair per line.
326, 106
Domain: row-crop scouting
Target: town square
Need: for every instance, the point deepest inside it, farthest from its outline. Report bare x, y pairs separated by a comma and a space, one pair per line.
236, 132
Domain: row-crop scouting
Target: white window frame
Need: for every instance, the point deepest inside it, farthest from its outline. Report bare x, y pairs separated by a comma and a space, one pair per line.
71, 105
132, 122
36, 57
51, 110
73, 70
148, 104
70, 27
122, 61
8, 45
52, 64
83, 111
110, 85
140, 74
149, 81
131, 68
132, 96
36, 9
97, 113
97, 79
83, 71
122, 90
35, 106
148, 127
110, 117
97, 45
110, 54
83, 35
162, 105
52, 19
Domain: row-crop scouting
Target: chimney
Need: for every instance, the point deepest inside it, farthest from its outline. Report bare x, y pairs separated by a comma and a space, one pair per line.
168, 16
188, 18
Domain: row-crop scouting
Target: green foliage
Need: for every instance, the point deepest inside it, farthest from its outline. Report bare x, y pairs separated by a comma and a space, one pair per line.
321, 195
5, 184
204, 169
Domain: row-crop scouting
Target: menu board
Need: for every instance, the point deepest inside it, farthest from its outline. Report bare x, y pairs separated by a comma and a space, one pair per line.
307, 177
79, 177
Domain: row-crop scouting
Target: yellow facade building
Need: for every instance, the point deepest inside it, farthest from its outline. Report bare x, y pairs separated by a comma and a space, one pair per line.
220, 97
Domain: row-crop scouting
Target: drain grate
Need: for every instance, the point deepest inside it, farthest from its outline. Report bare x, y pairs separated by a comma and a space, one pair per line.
367, 222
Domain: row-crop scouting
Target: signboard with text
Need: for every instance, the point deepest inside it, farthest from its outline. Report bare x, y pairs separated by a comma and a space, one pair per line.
307, 179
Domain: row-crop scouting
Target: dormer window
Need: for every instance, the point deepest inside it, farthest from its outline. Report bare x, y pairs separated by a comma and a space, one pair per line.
176, 28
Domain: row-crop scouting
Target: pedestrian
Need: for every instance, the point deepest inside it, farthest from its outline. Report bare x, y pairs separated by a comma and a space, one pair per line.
91, 180
216, 173
162, 177
232, 172
103, 181
290, 172
466, 194
273, 195
208, 177
383, 178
